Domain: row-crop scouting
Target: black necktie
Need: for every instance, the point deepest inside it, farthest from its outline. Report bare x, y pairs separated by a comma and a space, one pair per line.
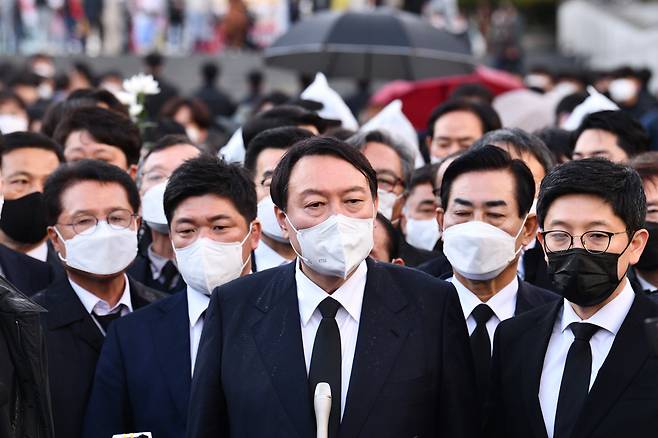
575, 380
106, 320
326, 360
481, 348
167, 275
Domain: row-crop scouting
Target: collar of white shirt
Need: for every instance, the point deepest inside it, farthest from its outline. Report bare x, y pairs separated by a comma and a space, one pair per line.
197, 303
502, 303
267, 258
40, 252
349, 295
156, 261
644, 283
609, 317
101, 307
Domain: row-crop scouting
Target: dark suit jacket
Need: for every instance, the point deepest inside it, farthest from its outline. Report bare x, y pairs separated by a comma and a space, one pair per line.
527, 296
143, 375
535, 269
622, 402
140, 270
28, 274
73, 343
412, 373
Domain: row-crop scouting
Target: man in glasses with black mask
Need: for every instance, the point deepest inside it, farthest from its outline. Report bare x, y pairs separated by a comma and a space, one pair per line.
581, 367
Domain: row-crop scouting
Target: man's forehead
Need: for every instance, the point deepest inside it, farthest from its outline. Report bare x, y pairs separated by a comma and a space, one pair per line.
325, 173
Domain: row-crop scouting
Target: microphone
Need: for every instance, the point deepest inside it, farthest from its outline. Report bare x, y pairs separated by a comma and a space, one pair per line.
322, 406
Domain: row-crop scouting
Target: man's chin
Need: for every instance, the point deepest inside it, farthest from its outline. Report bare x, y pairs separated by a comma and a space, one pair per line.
97, 277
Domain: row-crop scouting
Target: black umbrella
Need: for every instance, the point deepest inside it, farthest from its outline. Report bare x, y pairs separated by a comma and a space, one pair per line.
383, 43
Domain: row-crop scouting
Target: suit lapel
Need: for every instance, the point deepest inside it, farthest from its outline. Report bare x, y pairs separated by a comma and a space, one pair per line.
171, 337
276, 328
523, 299
382, 332
534, 345
67, 310
628, 353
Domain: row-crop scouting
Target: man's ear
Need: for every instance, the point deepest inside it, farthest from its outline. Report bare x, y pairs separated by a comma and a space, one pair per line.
255, 234
529, 230
132, 171
281, 219
440, 213
57, 243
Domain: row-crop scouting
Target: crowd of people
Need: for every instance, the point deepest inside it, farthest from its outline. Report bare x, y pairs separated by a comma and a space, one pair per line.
479, 280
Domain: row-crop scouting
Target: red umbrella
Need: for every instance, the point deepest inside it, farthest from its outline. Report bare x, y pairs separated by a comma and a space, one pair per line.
419, 98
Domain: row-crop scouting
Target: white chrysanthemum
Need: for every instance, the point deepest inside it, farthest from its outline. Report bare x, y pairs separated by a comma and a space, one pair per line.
141, 84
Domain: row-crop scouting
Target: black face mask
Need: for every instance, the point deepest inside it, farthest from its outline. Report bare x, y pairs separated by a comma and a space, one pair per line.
582, 278
24, 219
649, 258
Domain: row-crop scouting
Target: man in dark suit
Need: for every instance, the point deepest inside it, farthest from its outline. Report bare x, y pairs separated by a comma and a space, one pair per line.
154, 265
28, 274
149, 355
389, 341
486, 222
582, 366
91, 211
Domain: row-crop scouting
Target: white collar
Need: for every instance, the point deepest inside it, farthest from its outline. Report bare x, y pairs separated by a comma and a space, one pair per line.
267, 258
644, 283
609, 317
503, 303
93, 303
156, 261
349, 295
197, 303
40, 252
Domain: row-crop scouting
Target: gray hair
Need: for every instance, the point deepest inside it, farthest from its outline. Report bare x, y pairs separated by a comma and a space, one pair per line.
520, 142
360, 140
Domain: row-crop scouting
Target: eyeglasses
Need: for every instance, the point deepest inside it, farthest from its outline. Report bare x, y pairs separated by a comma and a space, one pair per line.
87, 224
154, 177
594, 242
388, 183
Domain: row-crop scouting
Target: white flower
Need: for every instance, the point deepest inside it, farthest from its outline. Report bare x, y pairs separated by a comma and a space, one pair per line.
126, 98
135, 110
141, 84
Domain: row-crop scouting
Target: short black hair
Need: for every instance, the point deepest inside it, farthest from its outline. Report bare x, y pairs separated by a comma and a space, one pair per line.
558, 141
275, 138
283, 115
646, 165
631, 136
570, 102
327, 146
473, 92
210, 71
104, 126
488, 158
168, 141
520, 142
488, 116
95, 97
209, 175
361, 139
423, 175
617, 185
10, 96
20, 140
70, 174
393, 237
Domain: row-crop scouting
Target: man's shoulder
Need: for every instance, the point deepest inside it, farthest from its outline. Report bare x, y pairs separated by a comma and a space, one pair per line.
248, 286
527, 322
153, 312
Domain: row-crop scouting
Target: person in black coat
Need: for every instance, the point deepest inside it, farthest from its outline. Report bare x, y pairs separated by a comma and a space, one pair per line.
486, 222
91, 211
269, 338
582, 366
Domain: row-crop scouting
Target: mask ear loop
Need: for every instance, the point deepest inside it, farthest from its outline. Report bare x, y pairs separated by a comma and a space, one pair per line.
304, 259
516, 253
63, 242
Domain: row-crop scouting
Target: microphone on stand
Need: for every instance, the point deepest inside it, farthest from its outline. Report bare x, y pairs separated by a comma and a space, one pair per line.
322, 406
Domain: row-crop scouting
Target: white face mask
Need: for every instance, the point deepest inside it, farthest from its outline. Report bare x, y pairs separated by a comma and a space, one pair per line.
478, 250
10, 123
106, 251
153, 208
622, 90
387, 201
207, 264
267, 217
336, 246
422, 233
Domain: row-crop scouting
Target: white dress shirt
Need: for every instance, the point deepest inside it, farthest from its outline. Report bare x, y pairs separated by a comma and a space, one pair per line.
197, 303
609, 318
40, 252
503, 305
267, 258
350, 297
100, 307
